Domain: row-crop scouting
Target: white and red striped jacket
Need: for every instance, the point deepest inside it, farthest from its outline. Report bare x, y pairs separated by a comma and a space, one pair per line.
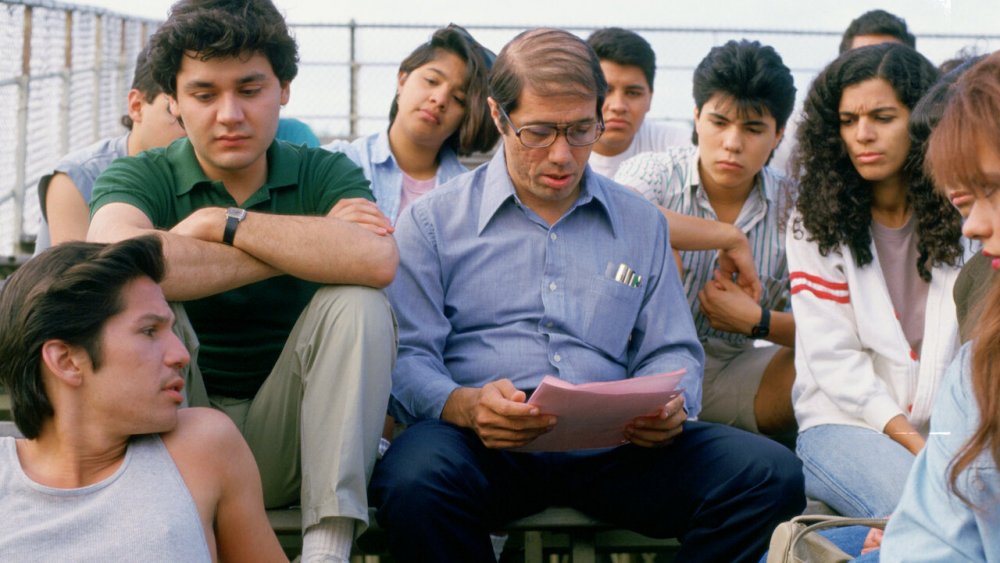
853, 363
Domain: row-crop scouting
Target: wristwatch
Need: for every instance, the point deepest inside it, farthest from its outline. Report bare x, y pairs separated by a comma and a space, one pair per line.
763, 328
234, 216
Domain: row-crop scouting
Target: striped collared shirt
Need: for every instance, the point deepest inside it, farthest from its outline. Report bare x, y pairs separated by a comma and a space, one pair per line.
671, 179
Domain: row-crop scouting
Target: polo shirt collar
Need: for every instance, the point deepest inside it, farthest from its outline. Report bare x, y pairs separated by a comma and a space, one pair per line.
499, 189
189, 173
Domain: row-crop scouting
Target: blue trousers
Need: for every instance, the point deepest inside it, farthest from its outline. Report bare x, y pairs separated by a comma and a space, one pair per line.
719, 490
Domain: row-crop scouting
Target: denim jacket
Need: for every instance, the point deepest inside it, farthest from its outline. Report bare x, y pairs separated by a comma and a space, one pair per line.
931, 523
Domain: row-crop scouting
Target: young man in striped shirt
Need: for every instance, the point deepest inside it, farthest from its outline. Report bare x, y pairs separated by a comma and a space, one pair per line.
743, 95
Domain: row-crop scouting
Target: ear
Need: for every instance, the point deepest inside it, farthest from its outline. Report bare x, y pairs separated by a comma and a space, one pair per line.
401, 79
286, 92
66, 362
135, 105
495, 113
174, 111
697, 114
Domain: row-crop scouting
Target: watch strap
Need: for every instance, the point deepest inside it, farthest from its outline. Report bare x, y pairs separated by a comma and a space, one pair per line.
763, 328
234, 215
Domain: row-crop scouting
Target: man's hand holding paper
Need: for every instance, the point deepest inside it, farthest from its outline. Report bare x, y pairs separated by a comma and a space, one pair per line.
660, 430
498, 413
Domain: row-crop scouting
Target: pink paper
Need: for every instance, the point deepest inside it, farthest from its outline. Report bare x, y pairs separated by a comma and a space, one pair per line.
594, 415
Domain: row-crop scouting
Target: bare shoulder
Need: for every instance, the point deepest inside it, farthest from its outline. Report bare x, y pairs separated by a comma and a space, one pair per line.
204, 434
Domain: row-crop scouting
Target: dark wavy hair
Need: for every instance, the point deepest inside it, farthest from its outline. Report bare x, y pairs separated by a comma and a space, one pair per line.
214, 29
66, 293
476, 133
834, 201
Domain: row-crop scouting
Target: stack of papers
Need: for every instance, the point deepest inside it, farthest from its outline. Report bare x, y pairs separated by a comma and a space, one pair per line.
594, 415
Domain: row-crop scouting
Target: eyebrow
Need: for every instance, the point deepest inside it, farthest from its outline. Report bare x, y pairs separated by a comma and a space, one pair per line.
195, 84
155, 318
873, 110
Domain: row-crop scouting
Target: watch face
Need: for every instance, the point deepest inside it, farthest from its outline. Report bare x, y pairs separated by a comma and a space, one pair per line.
237, 213
759, 332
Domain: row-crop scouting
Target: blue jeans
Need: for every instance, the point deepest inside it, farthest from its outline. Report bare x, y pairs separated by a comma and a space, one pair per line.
720, 490
856, 471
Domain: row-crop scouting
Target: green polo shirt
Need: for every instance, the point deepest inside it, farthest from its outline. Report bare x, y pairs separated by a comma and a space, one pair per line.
241, 331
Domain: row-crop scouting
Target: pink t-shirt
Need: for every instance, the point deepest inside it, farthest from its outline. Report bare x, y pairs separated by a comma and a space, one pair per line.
413, 189
897, 254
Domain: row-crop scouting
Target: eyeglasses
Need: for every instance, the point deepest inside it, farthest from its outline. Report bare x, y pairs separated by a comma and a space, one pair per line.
543, 135
489, 57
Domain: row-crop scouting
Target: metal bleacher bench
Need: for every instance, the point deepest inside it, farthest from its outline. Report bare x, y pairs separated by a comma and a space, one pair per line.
557, 529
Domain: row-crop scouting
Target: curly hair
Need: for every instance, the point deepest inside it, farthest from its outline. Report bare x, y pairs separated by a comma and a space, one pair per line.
834, 201
219, 29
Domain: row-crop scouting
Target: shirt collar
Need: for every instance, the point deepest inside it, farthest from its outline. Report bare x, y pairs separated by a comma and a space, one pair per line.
381, 151
499, 189
189, 173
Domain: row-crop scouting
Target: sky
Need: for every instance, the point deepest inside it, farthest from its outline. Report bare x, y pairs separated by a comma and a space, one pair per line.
923, 16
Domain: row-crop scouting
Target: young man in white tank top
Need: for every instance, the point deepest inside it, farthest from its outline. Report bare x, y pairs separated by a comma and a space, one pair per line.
109, 469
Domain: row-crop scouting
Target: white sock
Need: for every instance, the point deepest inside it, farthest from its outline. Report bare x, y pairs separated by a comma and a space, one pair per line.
499, 540
329, 541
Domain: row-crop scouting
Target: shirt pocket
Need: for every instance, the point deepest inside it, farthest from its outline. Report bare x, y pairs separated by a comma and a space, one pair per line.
610, 313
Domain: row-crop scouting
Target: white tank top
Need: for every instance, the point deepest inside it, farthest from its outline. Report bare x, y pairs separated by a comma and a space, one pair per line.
144, 512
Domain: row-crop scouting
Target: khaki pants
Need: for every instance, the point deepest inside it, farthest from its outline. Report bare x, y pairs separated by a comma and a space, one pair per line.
327, 393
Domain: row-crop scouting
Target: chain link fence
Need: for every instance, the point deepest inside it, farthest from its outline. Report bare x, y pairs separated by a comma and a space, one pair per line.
66, 70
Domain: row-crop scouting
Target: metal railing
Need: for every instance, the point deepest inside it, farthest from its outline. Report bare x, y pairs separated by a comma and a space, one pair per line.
66, 70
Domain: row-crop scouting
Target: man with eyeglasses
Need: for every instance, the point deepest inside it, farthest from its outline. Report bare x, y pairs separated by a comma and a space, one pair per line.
508, 273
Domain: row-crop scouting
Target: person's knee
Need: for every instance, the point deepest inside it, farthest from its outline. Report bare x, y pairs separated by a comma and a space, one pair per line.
353, 300
425, 466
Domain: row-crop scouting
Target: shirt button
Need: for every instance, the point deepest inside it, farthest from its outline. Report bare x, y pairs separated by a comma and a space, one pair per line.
552, 286
548, 324
557, 358
553, 236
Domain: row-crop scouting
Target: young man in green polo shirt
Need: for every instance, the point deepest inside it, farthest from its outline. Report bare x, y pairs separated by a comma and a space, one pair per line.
277, 253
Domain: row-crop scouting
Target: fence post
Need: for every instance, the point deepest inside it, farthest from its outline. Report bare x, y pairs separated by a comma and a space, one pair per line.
355, 67
98, 72
21, 152
67, 81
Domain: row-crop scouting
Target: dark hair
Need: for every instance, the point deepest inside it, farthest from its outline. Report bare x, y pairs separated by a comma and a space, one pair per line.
553, 62
834, 201
476, 132
66, 293
752, 75
971, 119
927, 112
626, 48
215, 29
877, 22
143, 81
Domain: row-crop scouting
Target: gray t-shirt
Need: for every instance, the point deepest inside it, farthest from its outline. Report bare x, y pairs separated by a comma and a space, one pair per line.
83, 167
897, 254
143, 512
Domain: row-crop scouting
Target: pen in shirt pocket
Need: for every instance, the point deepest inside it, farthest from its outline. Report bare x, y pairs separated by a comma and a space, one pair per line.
623, 273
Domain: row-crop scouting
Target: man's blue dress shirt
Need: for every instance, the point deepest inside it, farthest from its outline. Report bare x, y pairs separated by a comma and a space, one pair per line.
487, 290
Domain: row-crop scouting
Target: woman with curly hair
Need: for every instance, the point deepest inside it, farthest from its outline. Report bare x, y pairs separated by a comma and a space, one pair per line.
439, 112
873, 252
